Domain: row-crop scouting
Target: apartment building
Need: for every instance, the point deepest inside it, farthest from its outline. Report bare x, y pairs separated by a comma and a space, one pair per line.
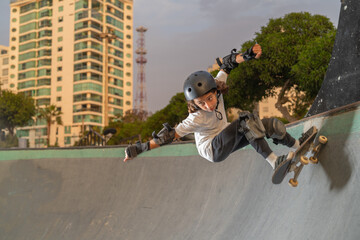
75, 54
4, 66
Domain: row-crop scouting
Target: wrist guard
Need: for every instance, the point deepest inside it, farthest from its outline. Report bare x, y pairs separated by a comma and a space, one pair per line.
229, 62
165, 136
134, 150
249, 55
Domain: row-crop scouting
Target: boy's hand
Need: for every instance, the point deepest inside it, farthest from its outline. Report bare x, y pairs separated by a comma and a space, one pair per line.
126, 157
257, 50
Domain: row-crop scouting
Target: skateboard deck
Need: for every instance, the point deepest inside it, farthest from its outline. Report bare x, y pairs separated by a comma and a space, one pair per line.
306, 153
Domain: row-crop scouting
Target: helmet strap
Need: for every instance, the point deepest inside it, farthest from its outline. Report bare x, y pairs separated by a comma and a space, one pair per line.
218, 114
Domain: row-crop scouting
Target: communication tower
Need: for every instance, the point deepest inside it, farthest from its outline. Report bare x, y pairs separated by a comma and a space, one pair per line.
141, 100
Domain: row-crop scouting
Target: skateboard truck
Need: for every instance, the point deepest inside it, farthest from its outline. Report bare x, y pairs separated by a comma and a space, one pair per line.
304, 160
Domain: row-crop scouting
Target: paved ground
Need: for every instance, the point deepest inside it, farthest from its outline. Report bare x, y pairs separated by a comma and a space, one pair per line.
171, 193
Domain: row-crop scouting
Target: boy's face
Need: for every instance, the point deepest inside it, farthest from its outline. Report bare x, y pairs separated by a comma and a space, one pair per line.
207, 102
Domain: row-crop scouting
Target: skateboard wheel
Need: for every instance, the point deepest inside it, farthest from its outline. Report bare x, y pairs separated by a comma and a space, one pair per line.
304, 160
316, 149
313, 160
323, 139
293, 182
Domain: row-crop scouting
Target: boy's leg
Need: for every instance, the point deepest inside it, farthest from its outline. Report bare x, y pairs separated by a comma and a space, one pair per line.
230, 140
276, 130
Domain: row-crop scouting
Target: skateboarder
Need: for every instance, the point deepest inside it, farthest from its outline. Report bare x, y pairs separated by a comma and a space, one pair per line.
215, 138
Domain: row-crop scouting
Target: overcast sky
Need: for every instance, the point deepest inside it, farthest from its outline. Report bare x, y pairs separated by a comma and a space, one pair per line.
187, 35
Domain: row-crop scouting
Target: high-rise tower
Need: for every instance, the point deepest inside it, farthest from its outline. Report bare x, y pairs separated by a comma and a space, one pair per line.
75, 54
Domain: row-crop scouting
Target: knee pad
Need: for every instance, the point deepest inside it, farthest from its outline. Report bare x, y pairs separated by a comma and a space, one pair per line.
275, 129
251, 126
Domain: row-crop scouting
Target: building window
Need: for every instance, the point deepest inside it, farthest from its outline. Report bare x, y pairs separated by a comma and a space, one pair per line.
61, 8
59, 69
60, 19
5, 72
67, 129
58, 99
60, 49
60, 29
67, 140
59, 79
59, 89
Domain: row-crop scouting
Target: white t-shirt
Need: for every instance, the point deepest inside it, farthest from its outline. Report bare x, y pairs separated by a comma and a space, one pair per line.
205, 125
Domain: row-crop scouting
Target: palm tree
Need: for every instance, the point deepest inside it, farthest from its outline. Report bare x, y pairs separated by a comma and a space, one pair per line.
49, 113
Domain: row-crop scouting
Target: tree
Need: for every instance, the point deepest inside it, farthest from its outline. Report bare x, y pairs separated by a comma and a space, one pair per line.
134, 123
127, 127
51, 115
283, 40
16, 110
173, 113
312, 64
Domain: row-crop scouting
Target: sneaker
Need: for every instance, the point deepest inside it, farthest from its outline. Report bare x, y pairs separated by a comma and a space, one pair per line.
307, 134
282, 166
281, 160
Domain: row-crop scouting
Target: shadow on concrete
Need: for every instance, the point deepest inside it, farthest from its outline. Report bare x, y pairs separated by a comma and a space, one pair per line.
336, 160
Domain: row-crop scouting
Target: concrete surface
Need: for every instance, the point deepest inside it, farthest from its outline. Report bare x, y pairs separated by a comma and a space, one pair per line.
172, 193
341, 85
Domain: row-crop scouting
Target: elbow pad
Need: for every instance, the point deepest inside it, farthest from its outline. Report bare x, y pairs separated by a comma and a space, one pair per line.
165, 136
229, 62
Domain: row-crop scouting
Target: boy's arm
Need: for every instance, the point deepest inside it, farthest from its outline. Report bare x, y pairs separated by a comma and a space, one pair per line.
232, 60
153, 144
165, 136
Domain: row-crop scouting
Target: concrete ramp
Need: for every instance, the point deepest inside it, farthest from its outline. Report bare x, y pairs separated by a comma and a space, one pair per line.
172, 193
341, 85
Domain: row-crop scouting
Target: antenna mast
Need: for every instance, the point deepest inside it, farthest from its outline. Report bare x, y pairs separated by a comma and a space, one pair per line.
141, 100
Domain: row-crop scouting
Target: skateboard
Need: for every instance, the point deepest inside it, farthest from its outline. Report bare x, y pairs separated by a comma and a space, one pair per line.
306, 153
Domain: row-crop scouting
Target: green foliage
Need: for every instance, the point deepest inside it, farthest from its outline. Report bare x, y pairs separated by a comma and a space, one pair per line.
133, 123
51, 115
173, 113
126, 127
312, 64
16, 110
10, 141
294, 42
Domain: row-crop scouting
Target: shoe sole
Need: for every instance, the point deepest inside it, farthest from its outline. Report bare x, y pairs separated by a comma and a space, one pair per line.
283, 168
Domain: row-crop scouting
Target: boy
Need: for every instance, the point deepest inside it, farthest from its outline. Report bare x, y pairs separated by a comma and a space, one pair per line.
215, 138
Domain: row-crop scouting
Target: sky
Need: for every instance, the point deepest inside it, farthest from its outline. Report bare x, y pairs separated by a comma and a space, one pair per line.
185, 36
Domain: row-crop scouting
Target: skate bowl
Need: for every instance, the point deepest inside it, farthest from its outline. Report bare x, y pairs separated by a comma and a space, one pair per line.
172, 193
